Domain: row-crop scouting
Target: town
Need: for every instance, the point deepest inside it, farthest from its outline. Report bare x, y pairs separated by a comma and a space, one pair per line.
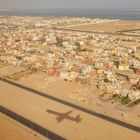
114, 65
83, 66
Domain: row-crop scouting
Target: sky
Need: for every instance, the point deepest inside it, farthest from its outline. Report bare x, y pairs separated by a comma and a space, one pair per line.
51, 4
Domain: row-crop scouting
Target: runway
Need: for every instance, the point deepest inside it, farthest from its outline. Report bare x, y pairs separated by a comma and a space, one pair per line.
32, 104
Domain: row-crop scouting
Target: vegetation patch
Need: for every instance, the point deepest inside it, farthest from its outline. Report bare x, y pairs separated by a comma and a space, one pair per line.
134, 103
116, 97
125, 100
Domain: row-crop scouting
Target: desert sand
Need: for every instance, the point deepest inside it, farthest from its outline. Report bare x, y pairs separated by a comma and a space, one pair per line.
34, 107
9, 130
110, 27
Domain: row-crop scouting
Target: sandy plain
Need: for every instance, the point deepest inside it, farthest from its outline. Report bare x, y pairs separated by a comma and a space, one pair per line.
110, 26
9, 130
34, 107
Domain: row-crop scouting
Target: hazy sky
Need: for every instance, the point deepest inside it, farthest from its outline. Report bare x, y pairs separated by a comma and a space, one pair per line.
45, 4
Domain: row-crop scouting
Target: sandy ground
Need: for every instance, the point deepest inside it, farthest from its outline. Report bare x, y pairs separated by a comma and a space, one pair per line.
34, 107
9, 70
9, 130
3, 65
110, 27
88, 96
74, 92
43, 82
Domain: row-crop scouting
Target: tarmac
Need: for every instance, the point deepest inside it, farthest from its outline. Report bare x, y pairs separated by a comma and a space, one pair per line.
34, 107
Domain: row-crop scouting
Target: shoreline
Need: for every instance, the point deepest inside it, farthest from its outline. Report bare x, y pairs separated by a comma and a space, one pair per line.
121, 14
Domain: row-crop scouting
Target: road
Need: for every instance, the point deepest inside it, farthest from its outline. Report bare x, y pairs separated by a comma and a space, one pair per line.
9, 130
95, 32
34, 107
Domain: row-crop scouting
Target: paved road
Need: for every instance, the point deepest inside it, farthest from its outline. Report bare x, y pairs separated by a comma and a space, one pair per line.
34, 107
93, 113
30, 124
95, 32
9, 130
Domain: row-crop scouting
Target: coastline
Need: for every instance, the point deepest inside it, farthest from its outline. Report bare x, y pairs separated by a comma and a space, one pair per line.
121, 14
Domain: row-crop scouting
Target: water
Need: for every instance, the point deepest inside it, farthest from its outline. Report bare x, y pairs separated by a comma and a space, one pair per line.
89, 13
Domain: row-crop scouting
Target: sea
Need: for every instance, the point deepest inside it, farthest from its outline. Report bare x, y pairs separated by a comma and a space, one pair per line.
125, 14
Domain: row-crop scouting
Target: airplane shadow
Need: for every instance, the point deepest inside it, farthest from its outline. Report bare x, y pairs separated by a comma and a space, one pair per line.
61, 116
80, 108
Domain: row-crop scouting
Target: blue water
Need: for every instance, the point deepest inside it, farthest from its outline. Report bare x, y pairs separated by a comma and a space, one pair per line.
90, 13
